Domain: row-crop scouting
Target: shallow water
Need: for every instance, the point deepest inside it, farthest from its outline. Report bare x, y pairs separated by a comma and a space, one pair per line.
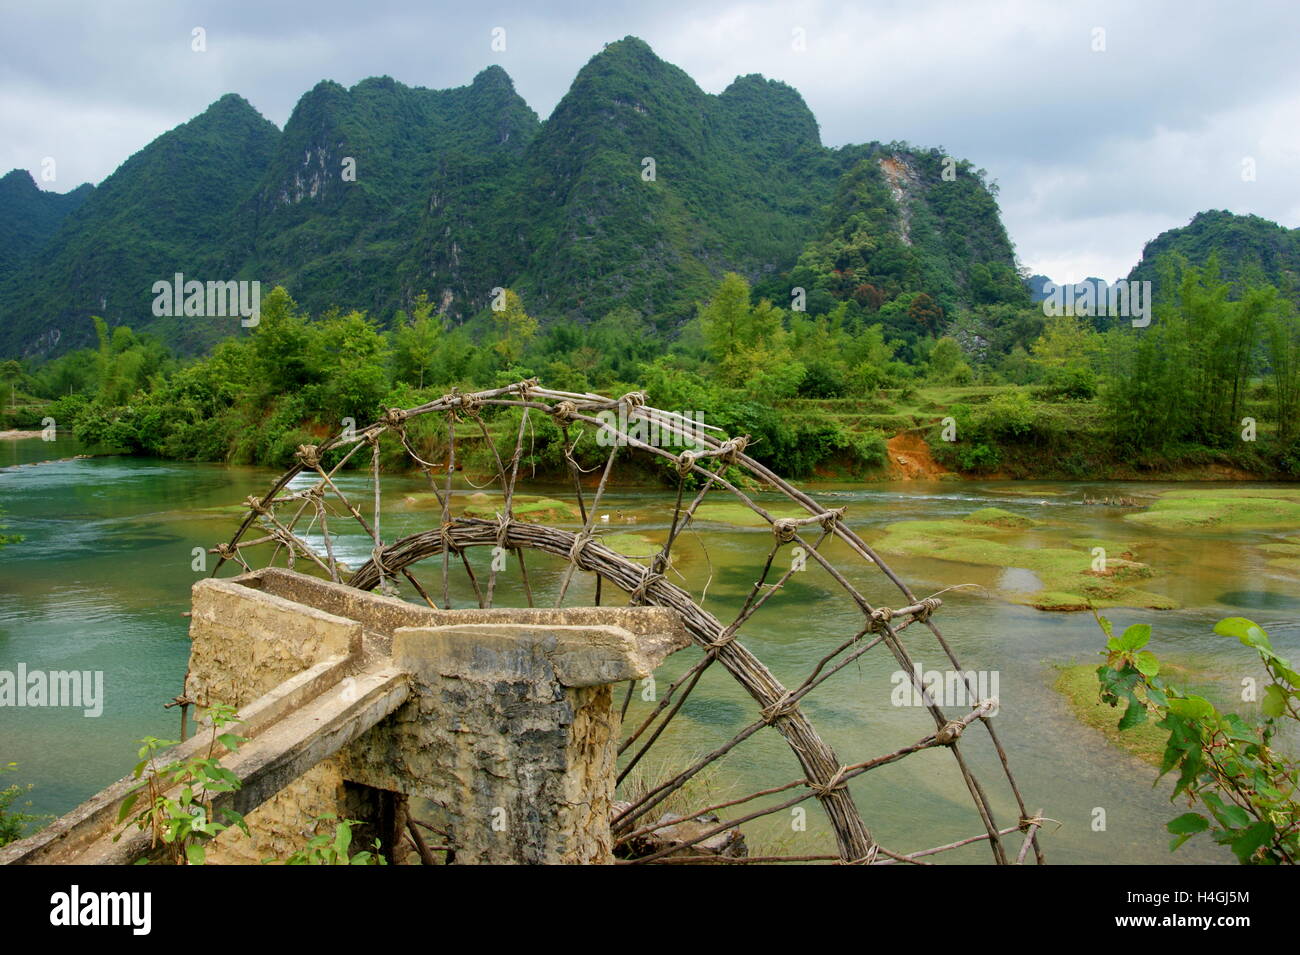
103, 576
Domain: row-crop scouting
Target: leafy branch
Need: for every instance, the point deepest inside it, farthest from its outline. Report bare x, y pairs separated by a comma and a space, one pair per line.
178, 809
1225, 763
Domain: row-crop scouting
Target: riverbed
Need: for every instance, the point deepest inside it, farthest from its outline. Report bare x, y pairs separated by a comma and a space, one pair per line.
101, 579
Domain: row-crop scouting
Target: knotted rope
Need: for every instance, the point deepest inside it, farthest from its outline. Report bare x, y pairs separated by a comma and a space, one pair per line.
733, 449
835, 782
504, 521
649, 579
775, 711
564, 411
309, 455
579, 544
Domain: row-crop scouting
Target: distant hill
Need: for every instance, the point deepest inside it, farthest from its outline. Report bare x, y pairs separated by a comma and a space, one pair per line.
169, 208
1243, 244
29, 216
640, 190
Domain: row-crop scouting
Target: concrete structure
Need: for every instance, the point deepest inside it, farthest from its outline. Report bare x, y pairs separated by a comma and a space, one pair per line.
501, 721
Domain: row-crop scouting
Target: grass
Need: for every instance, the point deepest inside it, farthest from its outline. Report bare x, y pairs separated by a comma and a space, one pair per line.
997, 517
991, 537
1228, 508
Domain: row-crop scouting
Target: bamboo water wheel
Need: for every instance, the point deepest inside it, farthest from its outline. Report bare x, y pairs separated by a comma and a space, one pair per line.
292, 523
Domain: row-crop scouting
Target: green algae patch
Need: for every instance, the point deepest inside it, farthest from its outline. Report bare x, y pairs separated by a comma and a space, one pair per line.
534, 510
1068, 579
1227, 508
629, 545
1078, 684
525, 507
1284, 554
997, 517
739, 514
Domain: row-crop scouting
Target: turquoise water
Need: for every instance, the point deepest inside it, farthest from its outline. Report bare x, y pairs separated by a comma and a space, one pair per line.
102, 578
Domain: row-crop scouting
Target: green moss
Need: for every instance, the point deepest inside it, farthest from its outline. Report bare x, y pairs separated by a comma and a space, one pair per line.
739, 514
1229, 508
531, 508
997, 517
1078, 684
1068, 581
629, 545
536, 510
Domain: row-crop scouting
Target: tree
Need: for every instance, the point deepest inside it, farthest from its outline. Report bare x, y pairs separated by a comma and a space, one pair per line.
515, 328
11, 372
749, 342
948, 362
1283, 340
415, 343
725, 318
281, 344
925, 312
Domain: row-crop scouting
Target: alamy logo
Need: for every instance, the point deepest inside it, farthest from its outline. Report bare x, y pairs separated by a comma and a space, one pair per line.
78, 689
208, 300
75, 907
1125, 299
944, 687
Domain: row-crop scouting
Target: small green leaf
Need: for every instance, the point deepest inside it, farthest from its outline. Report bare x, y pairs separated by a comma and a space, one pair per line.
1274, 702
1193, 707
1247, 631
1135, 715
1147, 663
1251, 838
1136, 636
195, 853
1187, 824
127, 803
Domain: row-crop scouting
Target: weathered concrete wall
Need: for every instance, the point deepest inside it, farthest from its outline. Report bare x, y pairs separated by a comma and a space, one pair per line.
518, 758
510, 729
244, 643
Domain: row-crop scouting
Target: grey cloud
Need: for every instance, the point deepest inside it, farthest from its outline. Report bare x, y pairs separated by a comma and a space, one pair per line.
1091, 149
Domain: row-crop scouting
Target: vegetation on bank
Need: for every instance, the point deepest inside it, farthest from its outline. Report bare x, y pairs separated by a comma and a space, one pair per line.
1210, 389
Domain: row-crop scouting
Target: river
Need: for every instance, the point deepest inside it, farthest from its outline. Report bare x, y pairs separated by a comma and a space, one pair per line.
101, 580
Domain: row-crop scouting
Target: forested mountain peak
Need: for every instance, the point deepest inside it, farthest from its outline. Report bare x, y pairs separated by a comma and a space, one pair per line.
639, 190
1245, 246
29, 216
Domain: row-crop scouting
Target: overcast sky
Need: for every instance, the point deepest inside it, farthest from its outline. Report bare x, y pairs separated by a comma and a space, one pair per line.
1095, 151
